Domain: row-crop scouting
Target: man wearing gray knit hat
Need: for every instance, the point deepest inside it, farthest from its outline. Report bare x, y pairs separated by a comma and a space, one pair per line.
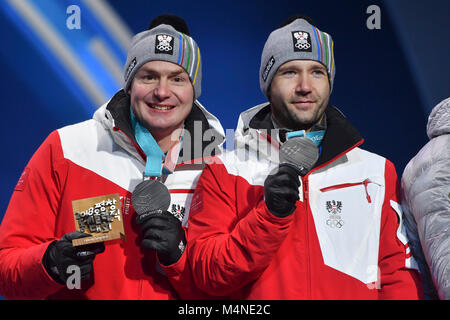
298, 210
298, 46
162, 76
162, 81
164, 43
145, 133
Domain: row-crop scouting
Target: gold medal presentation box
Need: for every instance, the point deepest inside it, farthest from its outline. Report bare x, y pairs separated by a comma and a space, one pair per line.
101, 217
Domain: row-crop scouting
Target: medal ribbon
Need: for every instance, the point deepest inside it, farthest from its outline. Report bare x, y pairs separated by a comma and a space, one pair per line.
314, 136
154, 166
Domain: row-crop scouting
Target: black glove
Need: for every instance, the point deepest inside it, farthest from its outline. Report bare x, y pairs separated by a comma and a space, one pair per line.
163, 233
61, 254
281, 191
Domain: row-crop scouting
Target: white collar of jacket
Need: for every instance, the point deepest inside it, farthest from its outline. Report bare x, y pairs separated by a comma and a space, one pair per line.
114, 116
340, 137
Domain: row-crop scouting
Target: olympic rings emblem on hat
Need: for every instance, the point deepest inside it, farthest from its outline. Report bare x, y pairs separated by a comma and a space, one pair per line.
303, 46
164, 47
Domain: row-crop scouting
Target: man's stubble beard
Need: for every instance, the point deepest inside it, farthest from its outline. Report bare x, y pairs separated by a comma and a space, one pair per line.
290, 120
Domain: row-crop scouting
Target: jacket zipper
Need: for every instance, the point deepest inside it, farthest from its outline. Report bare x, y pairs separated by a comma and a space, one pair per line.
308, 260
347, 185
306, 201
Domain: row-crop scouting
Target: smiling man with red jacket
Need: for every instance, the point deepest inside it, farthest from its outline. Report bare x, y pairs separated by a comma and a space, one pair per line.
107, 155
334, 233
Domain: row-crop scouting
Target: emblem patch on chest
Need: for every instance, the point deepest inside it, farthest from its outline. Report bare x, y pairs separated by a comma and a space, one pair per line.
178, 211
334, 209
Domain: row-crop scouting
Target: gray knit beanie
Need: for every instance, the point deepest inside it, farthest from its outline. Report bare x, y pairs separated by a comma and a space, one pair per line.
164, 43
298, 40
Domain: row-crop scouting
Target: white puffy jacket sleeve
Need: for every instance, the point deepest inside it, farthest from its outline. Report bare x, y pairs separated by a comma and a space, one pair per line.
426, 198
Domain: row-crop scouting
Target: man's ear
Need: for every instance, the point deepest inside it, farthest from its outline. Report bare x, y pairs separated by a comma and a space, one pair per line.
268, 92
131, 86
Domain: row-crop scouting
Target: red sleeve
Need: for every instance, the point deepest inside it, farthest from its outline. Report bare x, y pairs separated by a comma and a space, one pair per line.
227, 248
180, 276
28, 227
398, 280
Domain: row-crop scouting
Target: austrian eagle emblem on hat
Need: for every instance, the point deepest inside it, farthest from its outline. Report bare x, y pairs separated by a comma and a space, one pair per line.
164, 44
302, 41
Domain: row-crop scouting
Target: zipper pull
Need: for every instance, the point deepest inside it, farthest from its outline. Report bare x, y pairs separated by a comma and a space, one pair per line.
365, 183
347, 185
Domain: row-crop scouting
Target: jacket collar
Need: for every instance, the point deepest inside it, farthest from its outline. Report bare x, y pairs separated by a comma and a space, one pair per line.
116, 115
340, 136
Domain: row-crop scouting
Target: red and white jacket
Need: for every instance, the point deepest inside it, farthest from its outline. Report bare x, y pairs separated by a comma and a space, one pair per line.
344, 241
93, 158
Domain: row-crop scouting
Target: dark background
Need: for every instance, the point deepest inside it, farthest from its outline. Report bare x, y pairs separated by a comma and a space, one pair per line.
387, 80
